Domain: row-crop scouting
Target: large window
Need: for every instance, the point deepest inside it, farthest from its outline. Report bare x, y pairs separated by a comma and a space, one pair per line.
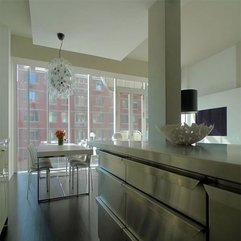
78, 109
131, 111
101, 109
33, 116
91, 109
31, 109
52, 117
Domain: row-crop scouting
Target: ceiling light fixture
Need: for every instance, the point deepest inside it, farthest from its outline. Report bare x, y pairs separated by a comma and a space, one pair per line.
59, 75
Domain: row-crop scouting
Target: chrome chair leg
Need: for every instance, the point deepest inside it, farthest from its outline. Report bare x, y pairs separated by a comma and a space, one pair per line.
47, 180
29, 173
72, 177
77, 169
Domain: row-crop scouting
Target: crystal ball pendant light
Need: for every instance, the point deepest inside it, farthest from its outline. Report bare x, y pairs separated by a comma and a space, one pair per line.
60, 75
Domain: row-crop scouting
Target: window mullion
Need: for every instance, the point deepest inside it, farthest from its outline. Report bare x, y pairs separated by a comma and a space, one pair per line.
88, 106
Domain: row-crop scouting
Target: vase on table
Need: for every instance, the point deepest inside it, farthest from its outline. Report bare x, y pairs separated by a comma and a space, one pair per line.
61, 141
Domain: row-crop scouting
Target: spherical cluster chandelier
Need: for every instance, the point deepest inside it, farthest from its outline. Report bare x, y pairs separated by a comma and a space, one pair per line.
60, 75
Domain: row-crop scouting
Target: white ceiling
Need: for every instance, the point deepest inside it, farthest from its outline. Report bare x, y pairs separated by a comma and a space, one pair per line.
104, 28
117, 29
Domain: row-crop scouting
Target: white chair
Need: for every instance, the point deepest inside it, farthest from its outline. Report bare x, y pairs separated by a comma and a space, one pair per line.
125, 135
137, 135
116, 136
80, 162
44, 165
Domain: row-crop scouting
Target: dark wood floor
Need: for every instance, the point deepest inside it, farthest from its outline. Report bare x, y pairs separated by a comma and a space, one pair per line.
70, 219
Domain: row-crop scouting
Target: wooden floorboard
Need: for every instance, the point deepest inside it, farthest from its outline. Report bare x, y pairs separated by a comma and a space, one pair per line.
69, 219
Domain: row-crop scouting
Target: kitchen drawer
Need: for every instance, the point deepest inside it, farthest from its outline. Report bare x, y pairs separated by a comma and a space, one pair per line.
149, 220
182, 193
109, 227
128, 235
224, 214
111, 192
112, 163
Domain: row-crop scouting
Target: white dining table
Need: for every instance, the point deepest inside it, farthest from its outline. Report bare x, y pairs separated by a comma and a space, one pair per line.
47, 150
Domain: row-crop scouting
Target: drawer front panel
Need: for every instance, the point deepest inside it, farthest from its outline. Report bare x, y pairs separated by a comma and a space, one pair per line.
148, 220
109, 227
182, 193
112, 163
224, 214
111, 192
128, 235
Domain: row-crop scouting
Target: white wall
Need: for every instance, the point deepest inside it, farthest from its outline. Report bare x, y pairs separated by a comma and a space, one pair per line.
217, 80
214, 74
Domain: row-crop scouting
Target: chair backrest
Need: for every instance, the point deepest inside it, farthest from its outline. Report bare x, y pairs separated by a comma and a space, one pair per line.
81, 158
32, 155
125, 135
137, 135
116, 136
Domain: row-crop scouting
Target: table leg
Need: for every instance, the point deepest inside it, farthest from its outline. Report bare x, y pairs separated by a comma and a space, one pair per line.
88, 160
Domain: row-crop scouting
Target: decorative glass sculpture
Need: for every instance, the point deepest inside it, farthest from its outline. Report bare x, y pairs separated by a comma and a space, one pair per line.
185, 134
59, 75
60, 78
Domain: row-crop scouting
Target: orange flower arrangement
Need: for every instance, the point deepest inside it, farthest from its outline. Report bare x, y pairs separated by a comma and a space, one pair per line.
60, 134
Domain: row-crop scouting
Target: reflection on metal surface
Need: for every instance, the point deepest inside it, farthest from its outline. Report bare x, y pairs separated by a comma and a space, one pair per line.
109, 227
112, 163
150, 221
184, 194
145, 218
225, 214
128, 235
112, 193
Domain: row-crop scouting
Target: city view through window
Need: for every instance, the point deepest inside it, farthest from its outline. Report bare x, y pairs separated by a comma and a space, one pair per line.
98, 108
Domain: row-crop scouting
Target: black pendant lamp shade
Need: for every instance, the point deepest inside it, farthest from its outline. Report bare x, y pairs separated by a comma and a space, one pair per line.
189, 101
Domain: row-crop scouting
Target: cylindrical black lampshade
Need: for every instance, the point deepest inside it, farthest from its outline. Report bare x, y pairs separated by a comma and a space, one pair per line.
189, 100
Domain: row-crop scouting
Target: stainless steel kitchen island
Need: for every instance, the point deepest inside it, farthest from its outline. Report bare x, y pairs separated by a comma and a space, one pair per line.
160, 191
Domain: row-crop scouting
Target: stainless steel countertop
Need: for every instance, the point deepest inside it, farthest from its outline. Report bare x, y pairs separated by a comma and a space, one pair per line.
213, 160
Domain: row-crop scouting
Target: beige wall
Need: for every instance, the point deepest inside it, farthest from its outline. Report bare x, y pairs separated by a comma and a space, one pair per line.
23, 48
